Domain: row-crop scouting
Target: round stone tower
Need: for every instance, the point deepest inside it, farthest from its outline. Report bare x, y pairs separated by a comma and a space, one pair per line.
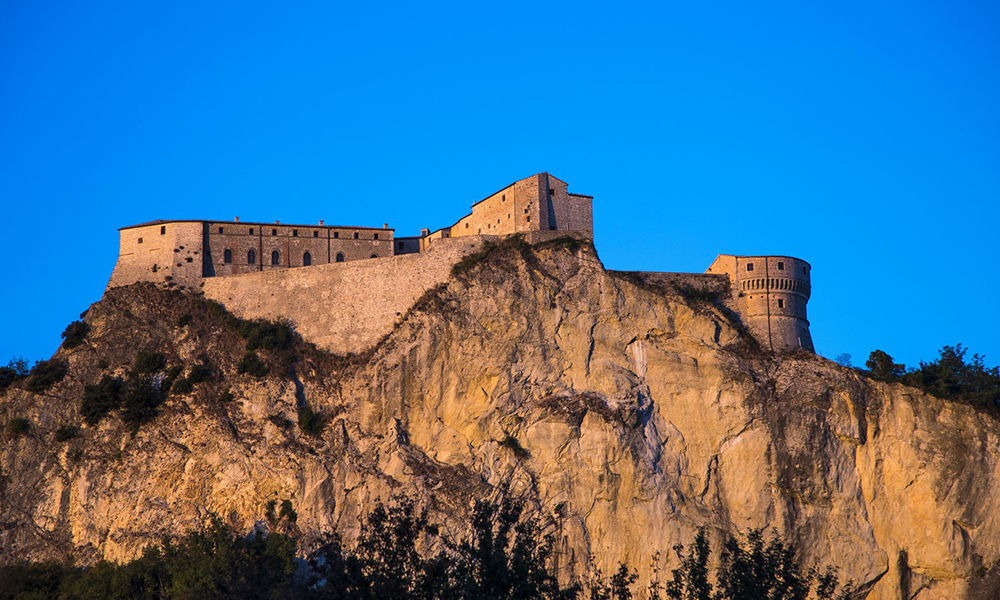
771, 293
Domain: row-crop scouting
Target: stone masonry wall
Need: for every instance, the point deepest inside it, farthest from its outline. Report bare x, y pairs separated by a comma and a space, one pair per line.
345, 307
161, 253
771, 293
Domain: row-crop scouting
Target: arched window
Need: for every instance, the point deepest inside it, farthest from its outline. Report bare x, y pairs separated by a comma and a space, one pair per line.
374, 255
275, 258
252, 257
227, 256
340, 257
307, 259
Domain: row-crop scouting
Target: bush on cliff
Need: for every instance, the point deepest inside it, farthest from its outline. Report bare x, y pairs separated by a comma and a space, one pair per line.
12, 372
74, 334
100, 398
17, 426
46, 374
251, 364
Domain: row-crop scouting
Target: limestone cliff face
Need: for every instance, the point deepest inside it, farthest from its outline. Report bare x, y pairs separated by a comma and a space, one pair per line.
630, 416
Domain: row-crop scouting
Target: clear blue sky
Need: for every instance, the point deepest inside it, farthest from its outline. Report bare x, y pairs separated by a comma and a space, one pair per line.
863, 137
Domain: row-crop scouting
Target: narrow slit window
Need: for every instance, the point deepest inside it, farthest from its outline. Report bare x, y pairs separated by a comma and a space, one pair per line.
295, 233
140, 240
251, 231
376, 236
221, 229
781, 303
163, 229
336, 235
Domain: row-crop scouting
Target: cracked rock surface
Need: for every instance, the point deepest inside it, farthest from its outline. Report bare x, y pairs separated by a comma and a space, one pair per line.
627, 415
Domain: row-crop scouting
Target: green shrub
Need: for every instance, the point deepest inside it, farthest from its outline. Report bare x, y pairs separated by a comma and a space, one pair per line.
251, 364
74, 334
17, 426
310, 421
269, 335
100, 399
14, 371
226, 397
184, 320
46, 374
199, 373
148, 361
182, 386
66, 433
140, 400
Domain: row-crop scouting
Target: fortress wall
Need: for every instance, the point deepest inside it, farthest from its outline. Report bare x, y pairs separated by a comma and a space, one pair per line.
503, 213
291, 242
167, 252
344, 307
696, 281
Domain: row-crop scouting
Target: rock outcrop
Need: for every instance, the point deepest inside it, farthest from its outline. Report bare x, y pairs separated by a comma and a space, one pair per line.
630, 415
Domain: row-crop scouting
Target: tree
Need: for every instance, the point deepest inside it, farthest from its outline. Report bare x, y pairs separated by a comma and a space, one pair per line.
844, 359
882, 368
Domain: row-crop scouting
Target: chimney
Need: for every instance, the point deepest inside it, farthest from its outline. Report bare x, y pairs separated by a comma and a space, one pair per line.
275, 222
385, 226
321, 221
425, 232
237, 219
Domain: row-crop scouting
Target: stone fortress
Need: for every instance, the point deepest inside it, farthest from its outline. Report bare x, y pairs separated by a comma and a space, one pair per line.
361, 280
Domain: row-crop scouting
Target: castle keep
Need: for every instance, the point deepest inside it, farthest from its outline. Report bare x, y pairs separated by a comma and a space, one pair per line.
252, 268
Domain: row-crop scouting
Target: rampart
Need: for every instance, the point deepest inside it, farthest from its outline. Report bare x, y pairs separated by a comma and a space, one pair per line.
345, 307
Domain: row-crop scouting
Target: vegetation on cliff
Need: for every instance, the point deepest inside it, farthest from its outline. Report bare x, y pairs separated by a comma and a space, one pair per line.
400, 555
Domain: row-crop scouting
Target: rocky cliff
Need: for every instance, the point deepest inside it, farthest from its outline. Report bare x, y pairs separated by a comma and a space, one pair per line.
630, 414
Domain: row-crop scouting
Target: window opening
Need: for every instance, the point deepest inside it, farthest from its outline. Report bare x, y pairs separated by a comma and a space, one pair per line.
781, 266
275, 258
252, 257
295, 233
340, 257
315, 234
220, 230
376, 236
336, 235
140, 240
163, 229
749, 266
374, 256
227, 256
251, 231
781, 303
274, 232
355, 235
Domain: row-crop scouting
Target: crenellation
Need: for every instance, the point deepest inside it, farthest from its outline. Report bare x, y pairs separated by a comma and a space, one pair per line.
233, 260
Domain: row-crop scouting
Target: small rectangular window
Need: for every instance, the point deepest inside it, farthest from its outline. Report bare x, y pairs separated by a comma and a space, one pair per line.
251, 231
355, 235
781, 266
376, 236
503, 198
749, 266
295, 233
220, 230
781, 303
274, 232
803, 270
336, 235
163, 229
140, 240
315, 234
